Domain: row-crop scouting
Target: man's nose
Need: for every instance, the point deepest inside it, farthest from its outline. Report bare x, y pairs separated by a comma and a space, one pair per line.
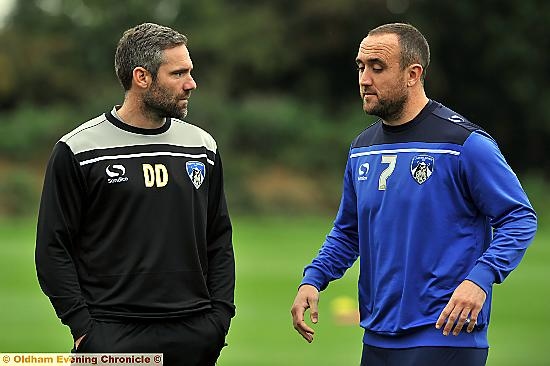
190, 84
365, 78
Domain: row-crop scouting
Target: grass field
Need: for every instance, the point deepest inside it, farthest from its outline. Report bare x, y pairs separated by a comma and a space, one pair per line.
270, 255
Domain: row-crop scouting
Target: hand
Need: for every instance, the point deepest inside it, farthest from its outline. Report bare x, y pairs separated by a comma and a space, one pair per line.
463, 307
307, 298
77, 342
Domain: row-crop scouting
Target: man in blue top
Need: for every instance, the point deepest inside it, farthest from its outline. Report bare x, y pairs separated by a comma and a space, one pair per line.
433, 210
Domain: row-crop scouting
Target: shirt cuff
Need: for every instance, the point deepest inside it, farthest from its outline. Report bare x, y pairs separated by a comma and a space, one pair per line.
483, 276
314, 277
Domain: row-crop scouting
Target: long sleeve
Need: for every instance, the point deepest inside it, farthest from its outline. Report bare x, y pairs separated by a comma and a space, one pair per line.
58, 228
341, 247
498, 195
221, 262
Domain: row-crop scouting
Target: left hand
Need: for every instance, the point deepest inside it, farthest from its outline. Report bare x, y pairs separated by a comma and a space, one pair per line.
463, 308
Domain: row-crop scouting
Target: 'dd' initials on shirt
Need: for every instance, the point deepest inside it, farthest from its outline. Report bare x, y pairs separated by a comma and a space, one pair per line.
155, 175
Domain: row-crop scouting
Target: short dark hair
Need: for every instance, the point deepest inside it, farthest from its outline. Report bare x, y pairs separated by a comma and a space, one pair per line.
414, 46
143, 45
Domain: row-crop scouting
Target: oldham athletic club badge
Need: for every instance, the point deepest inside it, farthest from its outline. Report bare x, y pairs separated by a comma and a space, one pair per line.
422, 167
196, 172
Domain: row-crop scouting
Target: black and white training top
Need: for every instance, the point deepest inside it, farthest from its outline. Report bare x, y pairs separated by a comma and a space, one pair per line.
133, 224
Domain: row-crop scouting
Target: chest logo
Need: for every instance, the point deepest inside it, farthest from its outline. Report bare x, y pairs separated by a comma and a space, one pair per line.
363, 171
422, 168
116, 173
196, 172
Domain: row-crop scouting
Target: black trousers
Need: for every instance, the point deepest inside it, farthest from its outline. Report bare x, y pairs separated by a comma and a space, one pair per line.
191, 341
423, 356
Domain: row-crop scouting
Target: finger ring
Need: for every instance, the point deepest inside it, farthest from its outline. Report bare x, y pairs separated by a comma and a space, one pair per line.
467, 321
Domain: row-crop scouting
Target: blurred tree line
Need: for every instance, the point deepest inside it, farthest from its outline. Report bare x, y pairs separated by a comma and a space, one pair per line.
277, 83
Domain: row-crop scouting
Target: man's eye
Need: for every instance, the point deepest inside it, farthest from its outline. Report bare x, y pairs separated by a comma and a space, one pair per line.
360, 68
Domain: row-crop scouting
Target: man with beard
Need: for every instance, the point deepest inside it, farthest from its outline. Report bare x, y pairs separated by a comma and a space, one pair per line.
431, 245
134, 252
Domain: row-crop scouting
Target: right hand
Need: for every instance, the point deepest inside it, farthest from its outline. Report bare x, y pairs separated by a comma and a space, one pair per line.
307, 298
77, 342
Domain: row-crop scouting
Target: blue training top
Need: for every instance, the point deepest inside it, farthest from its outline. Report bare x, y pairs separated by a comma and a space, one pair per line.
425, 205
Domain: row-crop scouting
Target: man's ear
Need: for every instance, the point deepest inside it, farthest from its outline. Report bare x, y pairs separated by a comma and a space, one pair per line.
415, 72
141, 77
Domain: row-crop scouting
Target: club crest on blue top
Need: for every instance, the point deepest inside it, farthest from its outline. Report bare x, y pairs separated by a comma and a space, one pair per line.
422, 167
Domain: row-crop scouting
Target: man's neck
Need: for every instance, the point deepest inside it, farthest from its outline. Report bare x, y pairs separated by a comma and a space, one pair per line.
135, 115
412, 108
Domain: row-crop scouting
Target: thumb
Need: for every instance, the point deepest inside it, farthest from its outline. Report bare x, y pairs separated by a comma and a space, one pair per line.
313, 310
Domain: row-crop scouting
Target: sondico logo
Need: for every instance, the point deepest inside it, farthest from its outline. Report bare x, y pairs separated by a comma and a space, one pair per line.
116, 173
363, 171
155, 175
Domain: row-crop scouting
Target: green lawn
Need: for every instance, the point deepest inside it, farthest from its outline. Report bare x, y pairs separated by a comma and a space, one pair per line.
270, 255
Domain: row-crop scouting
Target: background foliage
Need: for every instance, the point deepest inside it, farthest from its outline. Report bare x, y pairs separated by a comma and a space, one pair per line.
277, 81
